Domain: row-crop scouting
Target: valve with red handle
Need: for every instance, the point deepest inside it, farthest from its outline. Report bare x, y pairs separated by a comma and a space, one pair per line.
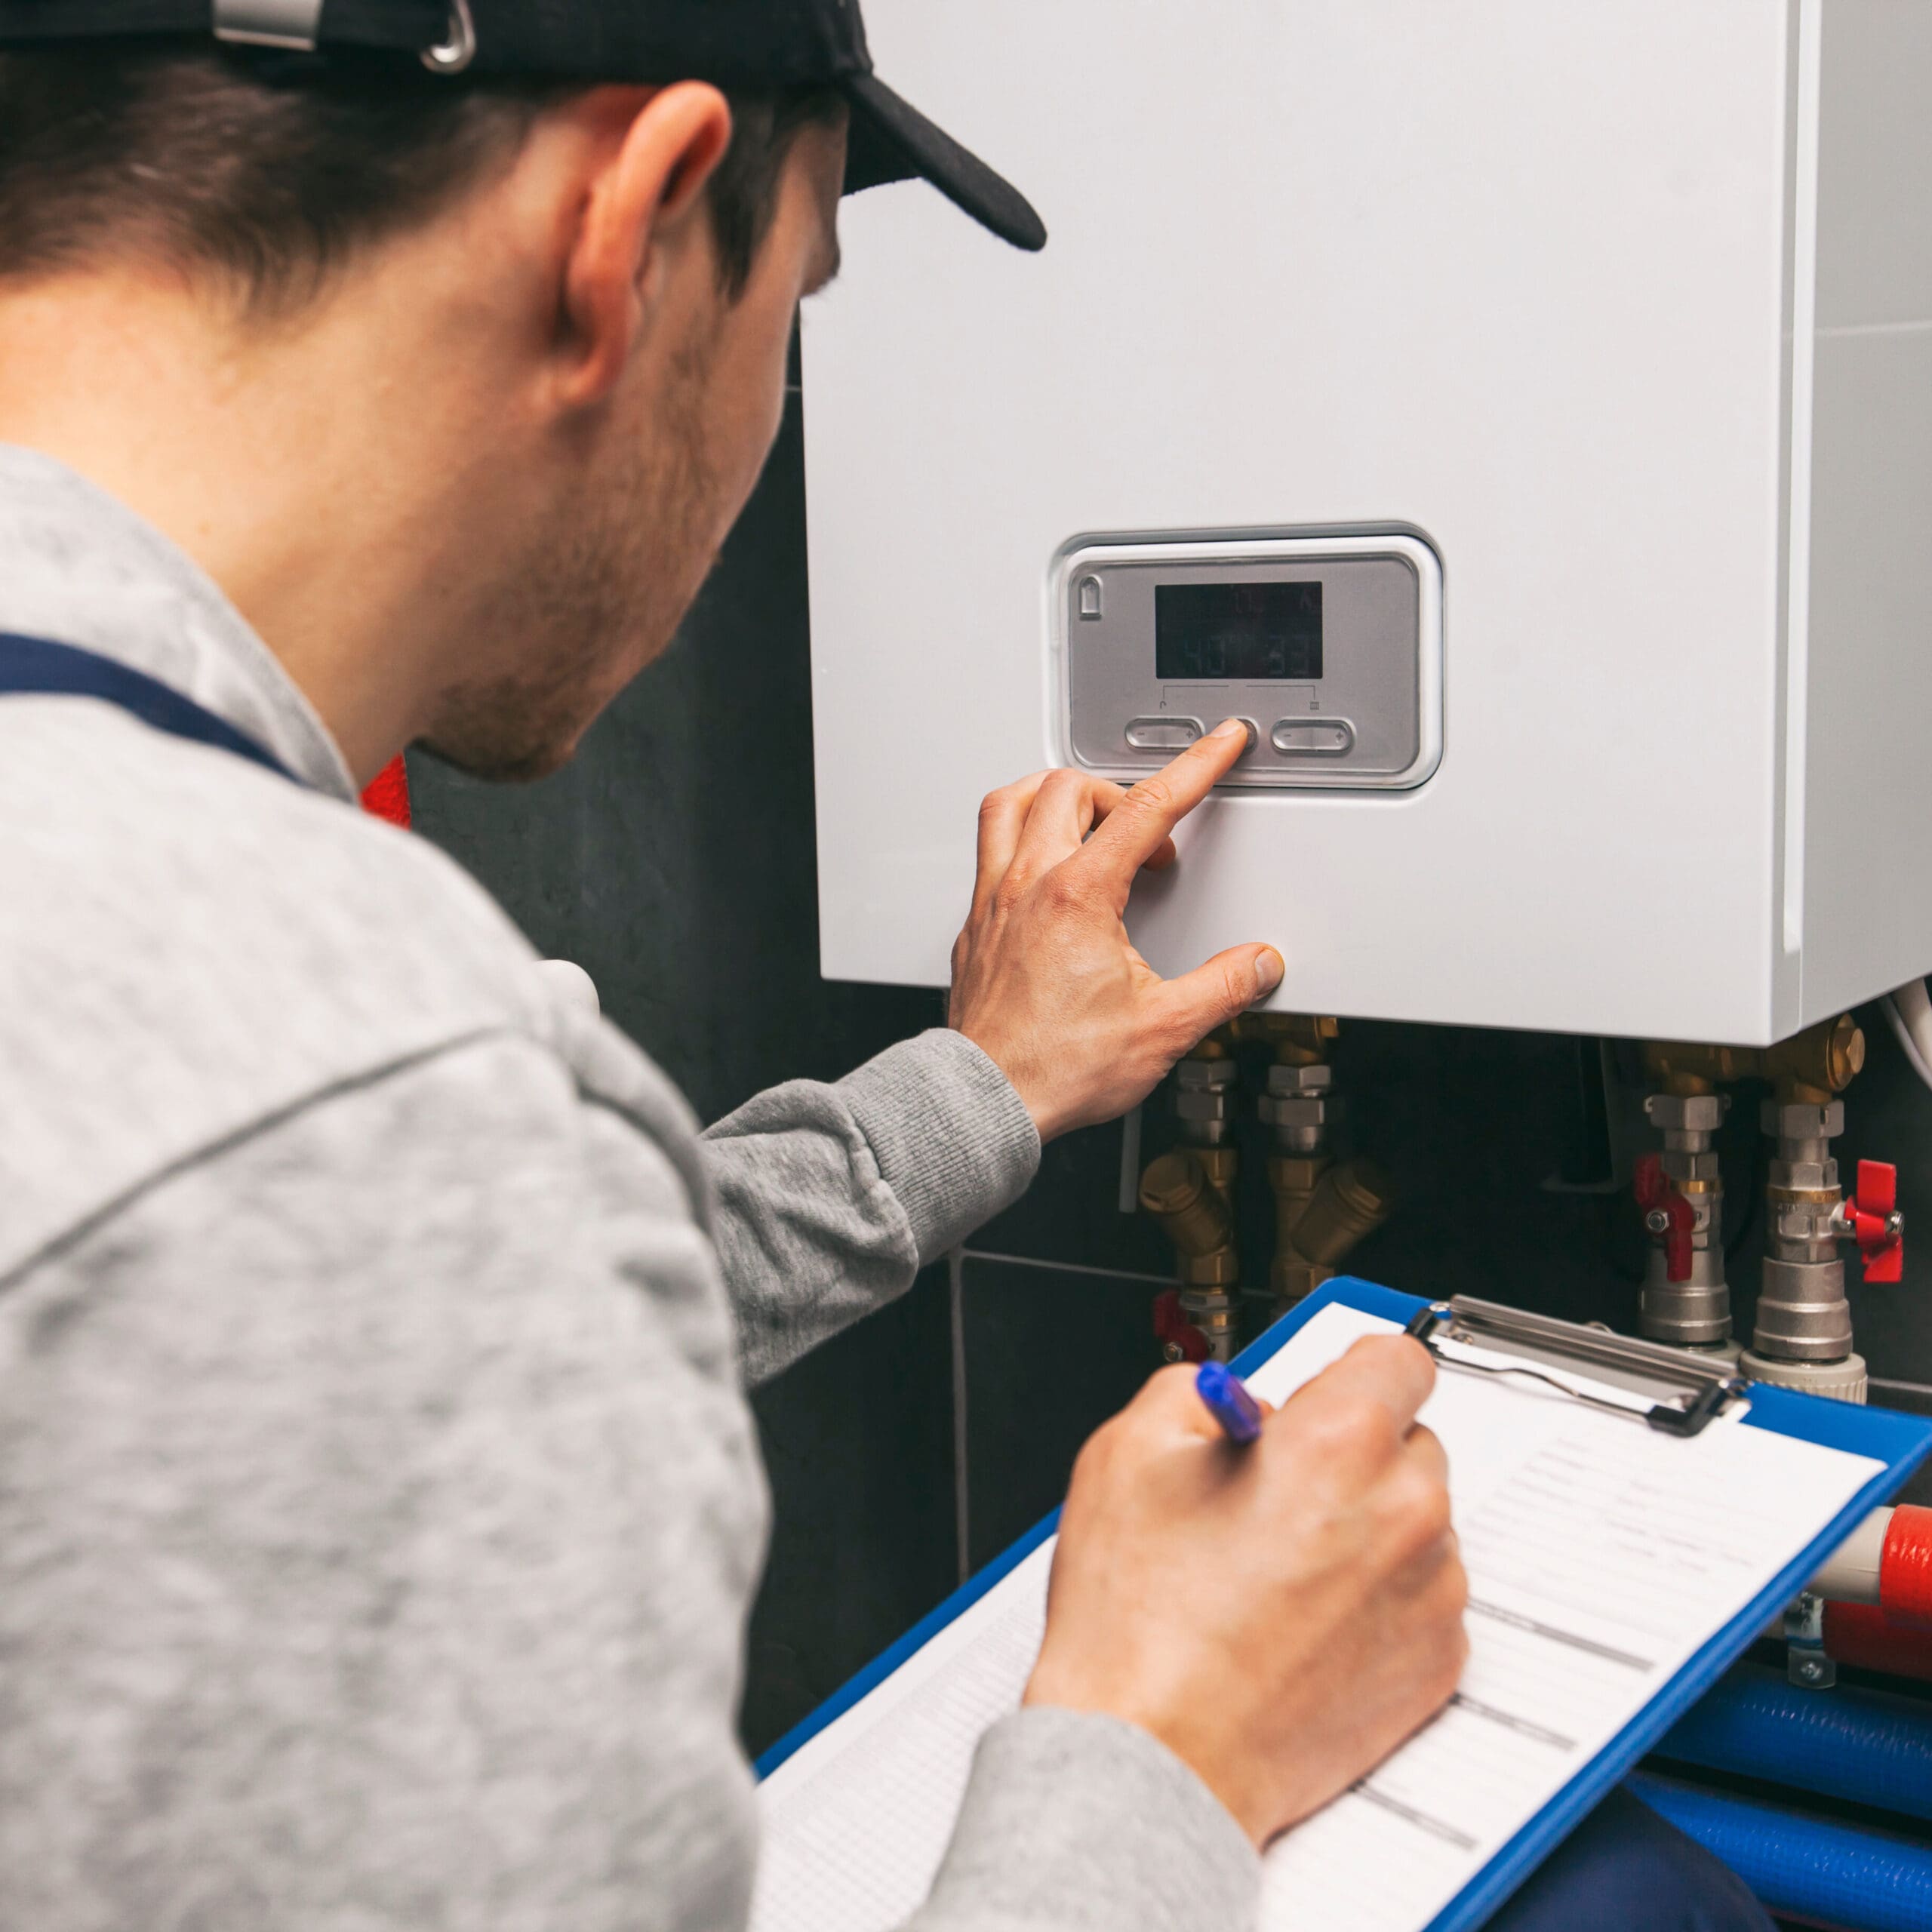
1870, 1216
1180, 1340
1667, 1213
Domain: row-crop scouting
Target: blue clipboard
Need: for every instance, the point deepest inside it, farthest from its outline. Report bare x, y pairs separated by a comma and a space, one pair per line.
1901, 1441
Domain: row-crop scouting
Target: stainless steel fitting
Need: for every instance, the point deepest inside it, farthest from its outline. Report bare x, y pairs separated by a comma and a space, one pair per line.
1301, 1105
1300, 1121
1214, 1074
1803, 1334
1213, 1312
1699, 1114
1799, 1120
1317, 1077
1694, 1312
1681, 1166
1802, 1313
1205, 1098
1805, 1177
1806, 1220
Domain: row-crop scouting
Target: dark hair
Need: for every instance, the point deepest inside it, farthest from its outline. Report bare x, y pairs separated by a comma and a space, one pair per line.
271, 173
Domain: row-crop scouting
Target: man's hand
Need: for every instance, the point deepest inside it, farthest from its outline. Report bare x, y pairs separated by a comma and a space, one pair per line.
1044, 978
1280, 1616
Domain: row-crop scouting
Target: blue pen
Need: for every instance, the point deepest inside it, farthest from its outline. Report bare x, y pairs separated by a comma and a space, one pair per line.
1228, 1402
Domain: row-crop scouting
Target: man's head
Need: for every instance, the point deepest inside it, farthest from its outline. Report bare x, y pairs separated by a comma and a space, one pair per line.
542, 327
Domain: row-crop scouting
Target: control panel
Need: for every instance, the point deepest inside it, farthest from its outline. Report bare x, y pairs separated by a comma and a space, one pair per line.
1330, 645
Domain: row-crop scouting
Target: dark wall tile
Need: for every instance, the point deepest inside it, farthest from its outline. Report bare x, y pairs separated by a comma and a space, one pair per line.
1914, 1399
1071, 1213
1471, 1123
1050, 1355
858, 1443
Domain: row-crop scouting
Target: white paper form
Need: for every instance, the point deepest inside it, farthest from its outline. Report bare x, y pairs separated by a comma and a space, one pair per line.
1601, 1556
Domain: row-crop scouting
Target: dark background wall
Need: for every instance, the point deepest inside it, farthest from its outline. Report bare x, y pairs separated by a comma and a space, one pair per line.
674, 860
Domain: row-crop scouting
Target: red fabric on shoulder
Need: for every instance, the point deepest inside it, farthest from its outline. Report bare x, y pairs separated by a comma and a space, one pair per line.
388, 794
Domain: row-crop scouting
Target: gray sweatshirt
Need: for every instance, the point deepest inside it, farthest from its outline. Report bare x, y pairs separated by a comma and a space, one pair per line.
380, 1509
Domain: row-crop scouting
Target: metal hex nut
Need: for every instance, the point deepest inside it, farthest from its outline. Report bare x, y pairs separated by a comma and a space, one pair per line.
1211, 1074
1190, 1104
1317, 1078
1689, 1167
1799, 1120
1687, 1113
1299, 1109
1804, 1176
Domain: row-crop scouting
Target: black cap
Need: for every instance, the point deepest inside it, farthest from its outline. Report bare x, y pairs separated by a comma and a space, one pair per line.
742, 44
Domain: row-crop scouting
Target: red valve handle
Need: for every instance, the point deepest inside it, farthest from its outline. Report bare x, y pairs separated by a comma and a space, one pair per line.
1653, 1190
1647, 1183
1171, 1325
1873, 1202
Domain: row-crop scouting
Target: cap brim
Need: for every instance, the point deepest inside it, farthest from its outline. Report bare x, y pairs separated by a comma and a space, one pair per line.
890, 140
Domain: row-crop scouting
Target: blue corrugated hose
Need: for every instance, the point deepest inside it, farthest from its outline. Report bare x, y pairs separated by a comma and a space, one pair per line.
1803, 1866
1860, 1745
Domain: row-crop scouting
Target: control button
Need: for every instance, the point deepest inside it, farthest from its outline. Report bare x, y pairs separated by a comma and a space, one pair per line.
1162, 734
1253, 736
1090, 597
1328, 736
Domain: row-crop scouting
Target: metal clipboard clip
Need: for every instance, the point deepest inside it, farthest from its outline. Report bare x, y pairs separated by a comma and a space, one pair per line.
1671, 1390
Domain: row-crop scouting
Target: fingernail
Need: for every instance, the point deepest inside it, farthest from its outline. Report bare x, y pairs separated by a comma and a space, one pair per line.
1268, 970
1230, 728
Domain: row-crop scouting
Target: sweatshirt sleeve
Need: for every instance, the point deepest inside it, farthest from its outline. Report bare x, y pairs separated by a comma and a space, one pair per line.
828, 1199
386, 1515
1074, 1821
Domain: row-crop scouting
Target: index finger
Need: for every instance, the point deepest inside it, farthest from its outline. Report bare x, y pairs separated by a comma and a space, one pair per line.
1135, 828
1392, 1372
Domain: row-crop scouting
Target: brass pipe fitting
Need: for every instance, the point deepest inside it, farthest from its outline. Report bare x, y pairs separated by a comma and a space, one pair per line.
1349, 1203
1822, 1060
1221, 1166
1811, 1066
1292, 1178
1178, 1191
1323, 1213
1299, 1039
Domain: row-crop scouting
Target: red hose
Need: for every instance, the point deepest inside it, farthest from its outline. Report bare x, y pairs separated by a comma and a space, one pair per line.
1905, 1569
1861, 1634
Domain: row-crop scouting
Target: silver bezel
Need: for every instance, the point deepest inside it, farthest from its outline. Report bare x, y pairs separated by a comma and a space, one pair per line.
1091, 551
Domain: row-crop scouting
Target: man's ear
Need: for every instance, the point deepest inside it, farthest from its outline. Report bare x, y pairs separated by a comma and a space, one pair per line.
639, 216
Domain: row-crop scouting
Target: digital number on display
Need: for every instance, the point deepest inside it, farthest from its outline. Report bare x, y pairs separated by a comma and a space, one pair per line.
1237, 630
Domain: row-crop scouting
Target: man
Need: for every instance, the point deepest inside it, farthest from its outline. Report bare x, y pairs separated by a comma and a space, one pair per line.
379, 1507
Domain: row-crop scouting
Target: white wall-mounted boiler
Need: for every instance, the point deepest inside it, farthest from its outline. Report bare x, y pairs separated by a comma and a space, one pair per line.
1522, 413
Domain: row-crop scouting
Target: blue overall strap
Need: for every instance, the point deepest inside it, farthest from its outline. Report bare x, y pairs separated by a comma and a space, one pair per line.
37, 664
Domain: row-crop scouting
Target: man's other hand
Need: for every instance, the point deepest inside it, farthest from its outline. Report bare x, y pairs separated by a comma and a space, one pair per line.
1281, 1616
1044, 980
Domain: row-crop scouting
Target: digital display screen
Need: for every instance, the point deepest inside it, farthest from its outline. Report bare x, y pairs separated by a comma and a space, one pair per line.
1237, 630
